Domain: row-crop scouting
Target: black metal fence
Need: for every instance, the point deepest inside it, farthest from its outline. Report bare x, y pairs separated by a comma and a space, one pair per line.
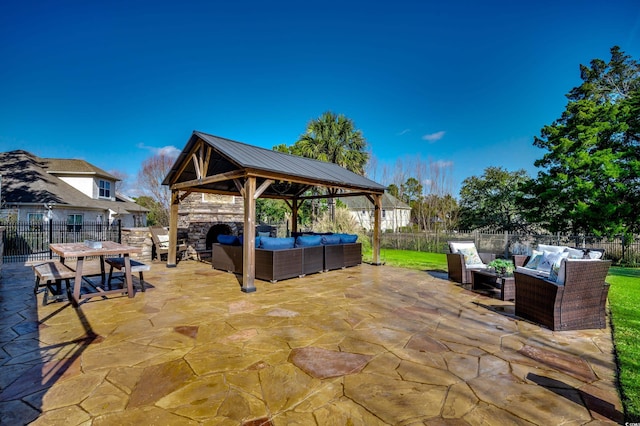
620, 250
30, 240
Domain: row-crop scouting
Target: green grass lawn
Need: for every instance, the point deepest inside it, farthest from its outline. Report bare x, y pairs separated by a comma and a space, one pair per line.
411, 259
624, 303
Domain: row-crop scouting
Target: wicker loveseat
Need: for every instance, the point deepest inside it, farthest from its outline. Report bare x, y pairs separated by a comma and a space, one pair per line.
578, 303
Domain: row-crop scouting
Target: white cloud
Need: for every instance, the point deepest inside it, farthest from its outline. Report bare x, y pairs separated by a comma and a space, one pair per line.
433, 137
444, 164
405, 131
169, 151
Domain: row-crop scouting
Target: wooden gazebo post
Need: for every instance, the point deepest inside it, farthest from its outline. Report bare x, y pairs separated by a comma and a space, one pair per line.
173, 229
377, 223
248, 248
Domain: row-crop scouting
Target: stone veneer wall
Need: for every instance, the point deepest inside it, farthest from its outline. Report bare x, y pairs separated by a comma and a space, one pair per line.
198, 212
138, 237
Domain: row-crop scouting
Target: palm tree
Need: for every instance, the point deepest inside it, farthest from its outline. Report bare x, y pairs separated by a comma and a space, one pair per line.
333, 138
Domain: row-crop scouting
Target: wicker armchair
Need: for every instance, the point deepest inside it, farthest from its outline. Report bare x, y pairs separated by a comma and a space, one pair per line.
458, 270
578, 304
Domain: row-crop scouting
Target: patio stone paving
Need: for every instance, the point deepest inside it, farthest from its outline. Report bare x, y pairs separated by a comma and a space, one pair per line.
360, 346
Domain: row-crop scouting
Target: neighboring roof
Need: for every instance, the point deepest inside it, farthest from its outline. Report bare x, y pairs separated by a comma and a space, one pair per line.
26, 180
388, 202
237, 159
70, 166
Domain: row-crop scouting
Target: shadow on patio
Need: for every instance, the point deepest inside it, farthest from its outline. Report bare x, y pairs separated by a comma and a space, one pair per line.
365, 345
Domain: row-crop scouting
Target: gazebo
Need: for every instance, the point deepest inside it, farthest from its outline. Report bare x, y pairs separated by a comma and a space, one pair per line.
212, 164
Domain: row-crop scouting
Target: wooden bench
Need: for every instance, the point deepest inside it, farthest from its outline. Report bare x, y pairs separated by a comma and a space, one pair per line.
118, 263
50, 274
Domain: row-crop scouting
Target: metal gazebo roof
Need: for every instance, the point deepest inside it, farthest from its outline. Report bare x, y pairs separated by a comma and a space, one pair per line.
211, 164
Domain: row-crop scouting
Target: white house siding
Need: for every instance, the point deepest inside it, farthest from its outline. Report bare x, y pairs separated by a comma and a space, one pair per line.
391, 219
83, 184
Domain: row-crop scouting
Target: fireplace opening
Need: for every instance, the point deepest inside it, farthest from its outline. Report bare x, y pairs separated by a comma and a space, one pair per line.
214, 231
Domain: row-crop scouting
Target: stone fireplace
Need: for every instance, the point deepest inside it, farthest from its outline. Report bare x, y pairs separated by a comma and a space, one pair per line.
202, 217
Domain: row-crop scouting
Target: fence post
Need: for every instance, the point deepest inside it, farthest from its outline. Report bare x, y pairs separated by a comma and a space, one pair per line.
50, 237
506, 244
119, 231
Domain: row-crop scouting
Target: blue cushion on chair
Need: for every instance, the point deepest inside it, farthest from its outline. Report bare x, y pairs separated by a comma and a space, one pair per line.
308, 241
330, 239
273, 243
228, 240
348, 238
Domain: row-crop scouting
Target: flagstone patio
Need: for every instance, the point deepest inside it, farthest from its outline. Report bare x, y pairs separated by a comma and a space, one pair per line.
360, 346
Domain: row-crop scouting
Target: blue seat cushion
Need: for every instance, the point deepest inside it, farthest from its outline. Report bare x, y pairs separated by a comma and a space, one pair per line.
228, 240
330, 239
308, 240
348, 238
273, 243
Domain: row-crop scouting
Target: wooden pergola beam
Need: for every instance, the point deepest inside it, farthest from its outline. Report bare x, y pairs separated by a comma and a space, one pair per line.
221, 177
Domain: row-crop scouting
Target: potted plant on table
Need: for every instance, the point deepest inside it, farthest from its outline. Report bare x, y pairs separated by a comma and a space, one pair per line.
502, 266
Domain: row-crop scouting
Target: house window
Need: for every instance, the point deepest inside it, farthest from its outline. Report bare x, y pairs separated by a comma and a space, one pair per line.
74, 223
384, 213
105, 189
35, 221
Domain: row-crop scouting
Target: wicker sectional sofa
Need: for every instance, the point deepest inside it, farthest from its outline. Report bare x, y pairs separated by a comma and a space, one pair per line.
274, 264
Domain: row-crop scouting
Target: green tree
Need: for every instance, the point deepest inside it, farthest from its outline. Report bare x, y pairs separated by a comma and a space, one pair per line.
154, 170
157, 215
394, 190
590, 177
333, 138
411, 191
493, 200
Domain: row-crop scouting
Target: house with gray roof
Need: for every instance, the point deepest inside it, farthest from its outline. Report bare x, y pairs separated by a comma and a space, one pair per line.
395, 213
42, 189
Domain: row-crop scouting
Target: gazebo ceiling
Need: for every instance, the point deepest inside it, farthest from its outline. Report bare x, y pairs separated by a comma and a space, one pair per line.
217, 165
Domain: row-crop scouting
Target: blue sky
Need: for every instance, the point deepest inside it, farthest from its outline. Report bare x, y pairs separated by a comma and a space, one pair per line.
462, 83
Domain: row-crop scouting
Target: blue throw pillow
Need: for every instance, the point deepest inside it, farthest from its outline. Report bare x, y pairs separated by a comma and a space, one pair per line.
348, 238
273, 243
330, 239
228, 240
308, 241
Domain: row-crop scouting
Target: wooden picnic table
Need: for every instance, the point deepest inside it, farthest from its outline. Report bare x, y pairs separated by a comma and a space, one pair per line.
81, 250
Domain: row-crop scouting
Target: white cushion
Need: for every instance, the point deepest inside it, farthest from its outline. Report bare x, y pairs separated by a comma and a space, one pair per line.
534, 259
594, 255
556, 274
575, 253
552, 249
471, 257
455, 247
549, 259
164, 241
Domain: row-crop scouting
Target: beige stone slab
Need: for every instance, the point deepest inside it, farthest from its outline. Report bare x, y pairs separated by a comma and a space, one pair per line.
143, 416
193, 349
106, 398
395, 401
